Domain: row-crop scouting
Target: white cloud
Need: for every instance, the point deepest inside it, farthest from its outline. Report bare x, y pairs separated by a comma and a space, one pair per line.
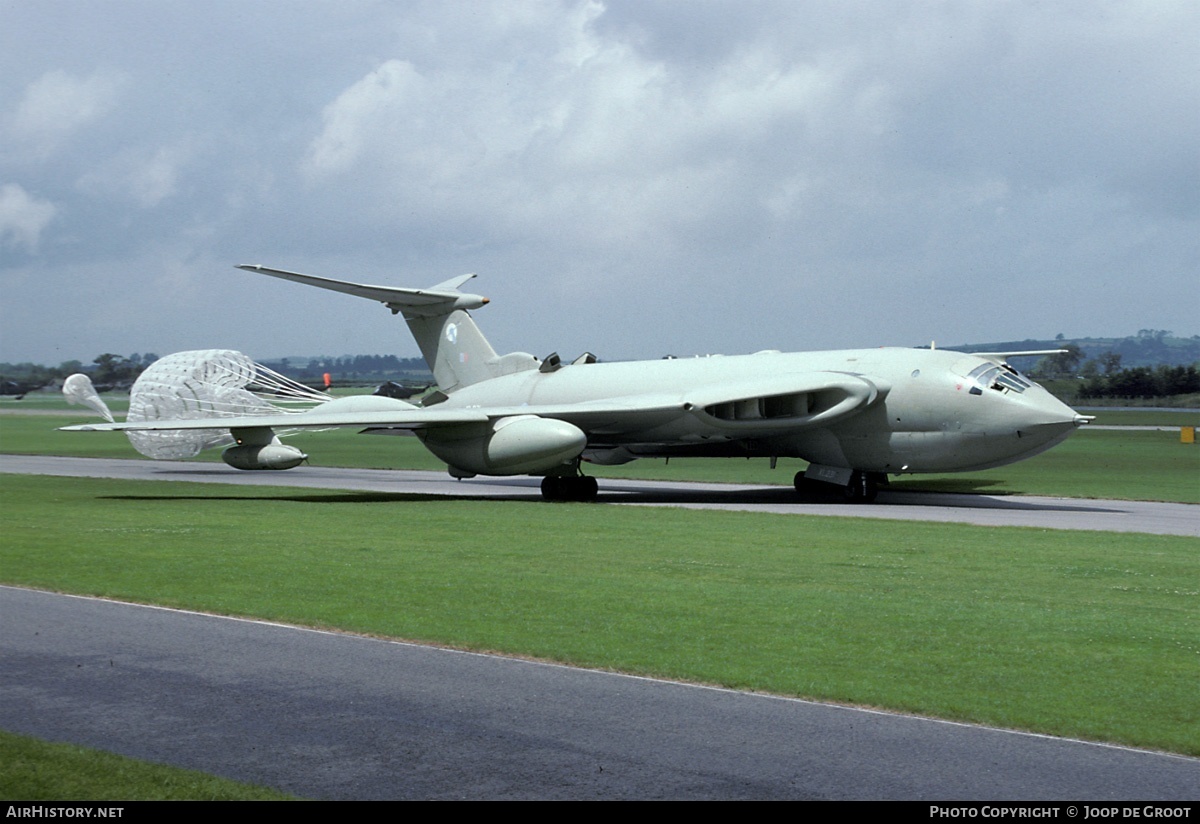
584, 137
374, 104
58, 104
23, 217
144, 176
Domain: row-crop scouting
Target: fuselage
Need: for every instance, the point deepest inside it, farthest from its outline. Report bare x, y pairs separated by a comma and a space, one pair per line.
871, 411
922, 411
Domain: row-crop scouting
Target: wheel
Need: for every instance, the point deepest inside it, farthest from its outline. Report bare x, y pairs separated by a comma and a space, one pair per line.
581, 488
553, 488
862, 488
807, 486
813, 490
565, 488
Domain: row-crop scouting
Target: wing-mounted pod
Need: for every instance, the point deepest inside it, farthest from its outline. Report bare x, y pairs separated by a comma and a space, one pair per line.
515, 445
782, 402
259, 448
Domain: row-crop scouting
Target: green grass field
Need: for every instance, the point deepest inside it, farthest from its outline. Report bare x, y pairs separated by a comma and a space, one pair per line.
38, 771
1084, 634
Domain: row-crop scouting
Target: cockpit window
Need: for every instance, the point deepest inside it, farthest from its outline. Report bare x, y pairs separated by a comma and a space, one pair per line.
1000, 378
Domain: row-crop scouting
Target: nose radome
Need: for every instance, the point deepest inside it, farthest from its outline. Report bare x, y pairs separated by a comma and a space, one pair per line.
1045, 418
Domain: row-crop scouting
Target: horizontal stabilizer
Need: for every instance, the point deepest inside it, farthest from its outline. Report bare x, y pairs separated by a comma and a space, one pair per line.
436, 300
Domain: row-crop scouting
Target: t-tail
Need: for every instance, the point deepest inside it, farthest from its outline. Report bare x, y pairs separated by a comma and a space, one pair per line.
438, 318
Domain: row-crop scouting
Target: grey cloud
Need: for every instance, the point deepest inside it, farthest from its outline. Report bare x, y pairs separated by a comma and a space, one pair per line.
23, 217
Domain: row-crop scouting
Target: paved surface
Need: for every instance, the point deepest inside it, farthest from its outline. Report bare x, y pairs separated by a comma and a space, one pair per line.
1042, 512
344, 717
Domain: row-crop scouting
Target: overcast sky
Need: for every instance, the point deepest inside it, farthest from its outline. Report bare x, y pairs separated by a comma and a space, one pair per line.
633, 178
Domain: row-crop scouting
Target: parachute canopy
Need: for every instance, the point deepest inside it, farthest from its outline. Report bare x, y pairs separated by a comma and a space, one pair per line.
79, 391
207, 383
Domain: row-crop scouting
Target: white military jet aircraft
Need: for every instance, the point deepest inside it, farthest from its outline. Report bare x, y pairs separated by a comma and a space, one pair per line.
856, 416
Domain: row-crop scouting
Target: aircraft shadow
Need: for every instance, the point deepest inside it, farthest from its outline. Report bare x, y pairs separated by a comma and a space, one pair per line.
777, 497
326, 498
784, 497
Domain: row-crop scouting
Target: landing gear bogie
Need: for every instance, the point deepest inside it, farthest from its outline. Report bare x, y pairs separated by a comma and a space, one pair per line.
862, 488
569, 488
859, 488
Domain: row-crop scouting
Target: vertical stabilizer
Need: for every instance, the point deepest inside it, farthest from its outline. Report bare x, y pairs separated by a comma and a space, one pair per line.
458, 353
451, 343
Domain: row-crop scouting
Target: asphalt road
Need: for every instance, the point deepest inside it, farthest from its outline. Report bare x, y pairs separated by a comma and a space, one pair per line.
999, 511
334, 716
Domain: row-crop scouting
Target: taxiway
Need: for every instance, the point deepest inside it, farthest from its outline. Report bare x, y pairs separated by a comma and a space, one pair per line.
988, 510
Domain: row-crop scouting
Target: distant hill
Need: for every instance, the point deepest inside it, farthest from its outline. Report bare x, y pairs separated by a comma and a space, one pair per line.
1149, 347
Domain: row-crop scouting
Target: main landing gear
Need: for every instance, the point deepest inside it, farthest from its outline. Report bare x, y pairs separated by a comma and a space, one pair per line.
569, 488
858, 488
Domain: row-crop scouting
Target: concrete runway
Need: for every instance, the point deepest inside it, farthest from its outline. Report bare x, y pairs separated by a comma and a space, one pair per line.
998, 511
334, 716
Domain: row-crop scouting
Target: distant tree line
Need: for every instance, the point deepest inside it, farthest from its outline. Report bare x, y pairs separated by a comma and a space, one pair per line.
349, 367
1149, 347
1103, 377
110, 370
1063, 365
107, 370
1142, 382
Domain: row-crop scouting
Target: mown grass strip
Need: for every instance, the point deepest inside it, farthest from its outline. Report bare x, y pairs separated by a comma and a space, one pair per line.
33, 770
1084, 634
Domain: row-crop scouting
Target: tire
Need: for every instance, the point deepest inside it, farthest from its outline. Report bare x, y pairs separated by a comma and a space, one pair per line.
563, 488
553, 488
862, 488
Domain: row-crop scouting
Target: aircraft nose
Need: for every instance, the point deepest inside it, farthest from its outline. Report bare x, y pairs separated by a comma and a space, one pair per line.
1046, 419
